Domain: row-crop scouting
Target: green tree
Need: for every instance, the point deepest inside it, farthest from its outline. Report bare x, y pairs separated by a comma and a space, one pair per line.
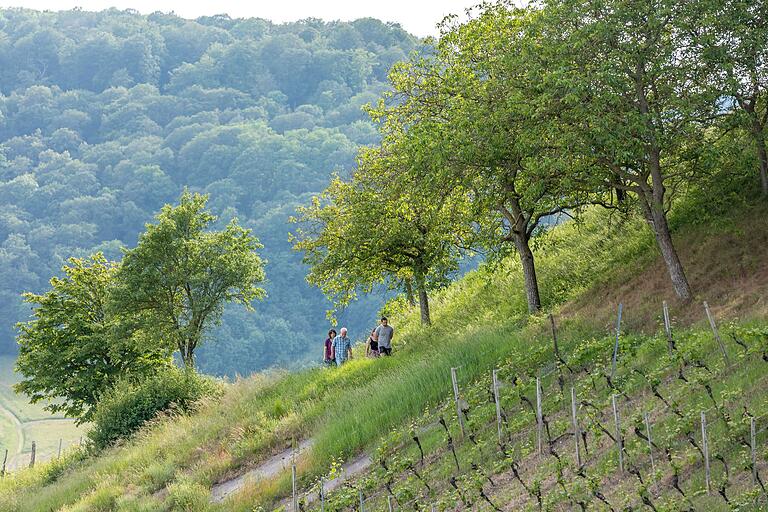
627, 84
180, 275
469, 110
735, 37
67, 352
381, 229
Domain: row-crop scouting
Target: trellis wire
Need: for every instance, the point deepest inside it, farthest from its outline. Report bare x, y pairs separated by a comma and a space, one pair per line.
456, 396
494, 376
647, 422
619, 443
576, 431
713, 325
616, 345
668, 327
539, 416
753, 448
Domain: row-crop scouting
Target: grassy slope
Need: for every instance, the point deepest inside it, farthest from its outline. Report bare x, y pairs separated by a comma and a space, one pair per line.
480, 323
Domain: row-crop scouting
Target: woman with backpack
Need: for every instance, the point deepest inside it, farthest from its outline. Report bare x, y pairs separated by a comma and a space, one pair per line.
329, 358
372, 345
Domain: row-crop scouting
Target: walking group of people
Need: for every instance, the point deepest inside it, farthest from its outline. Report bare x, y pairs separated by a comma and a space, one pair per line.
338, 347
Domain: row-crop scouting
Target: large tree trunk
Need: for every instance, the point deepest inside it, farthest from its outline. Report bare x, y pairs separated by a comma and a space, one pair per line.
652, 196
653, 205
421, 285
762, 154
426, 318
529, 271
187, 355
409, 292
518, 226
668, 252
763, 167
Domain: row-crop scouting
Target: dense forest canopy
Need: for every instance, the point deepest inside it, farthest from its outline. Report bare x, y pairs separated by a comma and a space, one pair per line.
106, 116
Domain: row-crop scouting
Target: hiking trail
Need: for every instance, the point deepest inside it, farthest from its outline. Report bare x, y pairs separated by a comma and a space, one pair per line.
280, 462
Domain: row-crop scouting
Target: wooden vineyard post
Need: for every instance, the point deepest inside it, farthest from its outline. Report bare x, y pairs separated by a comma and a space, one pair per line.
5, 459
576, 431
362, 506
32, 456
322, 494
498, 403
668, 327
293, 476
456, 397
58, 456
713, 325
389, 503
616, 345
554, 335
619, 443
647, 421
753, 448
539, 417
705, 449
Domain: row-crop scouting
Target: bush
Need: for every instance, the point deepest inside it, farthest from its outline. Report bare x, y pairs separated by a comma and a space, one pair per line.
128, 405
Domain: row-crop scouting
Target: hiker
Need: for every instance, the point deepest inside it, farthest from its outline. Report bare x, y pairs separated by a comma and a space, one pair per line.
342, 347
384, 333
328, 355
372, 346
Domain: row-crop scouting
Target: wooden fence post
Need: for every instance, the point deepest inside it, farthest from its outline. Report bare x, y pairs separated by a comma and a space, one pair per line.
616, 345
498, 403
389, 503
753, 448
5, 459
59, 454
576, 431
32, 456
362, 507
619, 442
539, 416
647, 421
293, 483
713, 325
668, 327
456, 396
705, 449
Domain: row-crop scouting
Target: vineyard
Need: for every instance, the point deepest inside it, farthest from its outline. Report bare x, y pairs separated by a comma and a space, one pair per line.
679, 422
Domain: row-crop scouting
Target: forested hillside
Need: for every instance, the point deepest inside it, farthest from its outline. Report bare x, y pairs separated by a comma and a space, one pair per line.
105, 117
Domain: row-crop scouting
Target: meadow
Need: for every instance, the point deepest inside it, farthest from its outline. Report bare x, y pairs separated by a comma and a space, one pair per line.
22, 423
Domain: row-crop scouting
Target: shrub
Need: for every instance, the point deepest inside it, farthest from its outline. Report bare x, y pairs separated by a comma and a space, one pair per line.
128, 405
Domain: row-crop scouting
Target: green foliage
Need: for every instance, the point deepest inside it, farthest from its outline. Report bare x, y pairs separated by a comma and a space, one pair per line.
69, 353
106, 116
179, 277
381, 228
470, 125
122, 410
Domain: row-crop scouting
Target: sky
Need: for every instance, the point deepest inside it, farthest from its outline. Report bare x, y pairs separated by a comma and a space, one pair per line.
418, 17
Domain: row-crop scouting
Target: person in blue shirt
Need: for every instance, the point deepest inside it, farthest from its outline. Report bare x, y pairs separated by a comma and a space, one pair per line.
342, 347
